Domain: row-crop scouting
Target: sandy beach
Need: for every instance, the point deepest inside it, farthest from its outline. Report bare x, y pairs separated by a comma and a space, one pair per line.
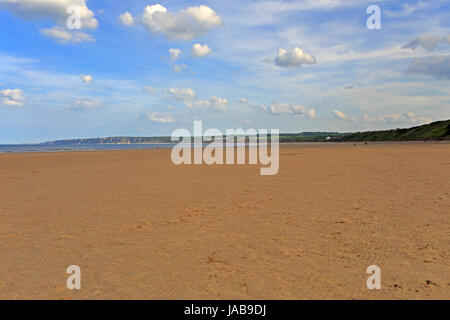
140, 227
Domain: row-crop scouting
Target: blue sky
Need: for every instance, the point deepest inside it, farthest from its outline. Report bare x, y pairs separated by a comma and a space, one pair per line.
291, 65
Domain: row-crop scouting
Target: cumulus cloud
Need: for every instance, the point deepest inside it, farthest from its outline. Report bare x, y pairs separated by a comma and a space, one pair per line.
65, 36
421, 120
179, 67
186, 24
397, 118
150, 90
312, 113
214, 103
446, 39
425, 41
126, 19
157, 117
181, 94
243, 100
340, 115
51, 9
199, 50
83, 104
12, 97
368, 118
436, 66
174, 54
293, 58
392, 117
86, 78
286, 108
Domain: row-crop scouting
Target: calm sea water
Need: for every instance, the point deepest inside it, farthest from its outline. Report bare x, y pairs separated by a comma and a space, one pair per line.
77, 147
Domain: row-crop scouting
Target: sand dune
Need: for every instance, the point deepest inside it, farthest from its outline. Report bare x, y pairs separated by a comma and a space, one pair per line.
142, 228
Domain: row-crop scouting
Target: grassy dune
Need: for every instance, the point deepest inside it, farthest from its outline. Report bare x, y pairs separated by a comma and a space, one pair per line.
439, 130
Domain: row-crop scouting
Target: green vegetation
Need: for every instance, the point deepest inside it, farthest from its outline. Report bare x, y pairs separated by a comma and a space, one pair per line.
439, 130
309, 136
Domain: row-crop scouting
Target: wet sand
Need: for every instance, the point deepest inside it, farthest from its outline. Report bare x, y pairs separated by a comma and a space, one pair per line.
142, 228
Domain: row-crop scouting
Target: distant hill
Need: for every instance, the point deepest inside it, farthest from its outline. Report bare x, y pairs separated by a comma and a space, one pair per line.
284, 137
439, 130
112, 140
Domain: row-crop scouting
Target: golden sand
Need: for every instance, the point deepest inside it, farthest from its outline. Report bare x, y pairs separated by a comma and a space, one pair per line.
140, 227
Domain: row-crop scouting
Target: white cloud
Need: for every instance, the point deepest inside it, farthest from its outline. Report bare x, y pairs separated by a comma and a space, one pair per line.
213, 102
271, 8
157, 117
179, 67
65, 36
340, 115
397, 118
83, 104
293, 58
407, 9
174, 54
338, 55
426, 41
12, 97
199, 50
368, 118
126, 19
392, 117
422, 120
150, 90
293, 109
86, 78
285, 108
243, 100
435, 66
186, 24
182, 94
446, 39
50, 9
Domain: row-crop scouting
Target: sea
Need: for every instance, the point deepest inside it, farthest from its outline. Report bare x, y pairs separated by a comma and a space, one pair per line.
14, 148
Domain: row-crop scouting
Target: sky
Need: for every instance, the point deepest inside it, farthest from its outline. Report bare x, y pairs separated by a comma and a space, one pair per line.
143, 68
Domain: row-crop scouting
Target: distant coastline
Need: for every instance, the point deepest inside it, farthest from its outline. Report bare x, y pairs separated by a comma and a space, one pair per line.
435, 131
439, 130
